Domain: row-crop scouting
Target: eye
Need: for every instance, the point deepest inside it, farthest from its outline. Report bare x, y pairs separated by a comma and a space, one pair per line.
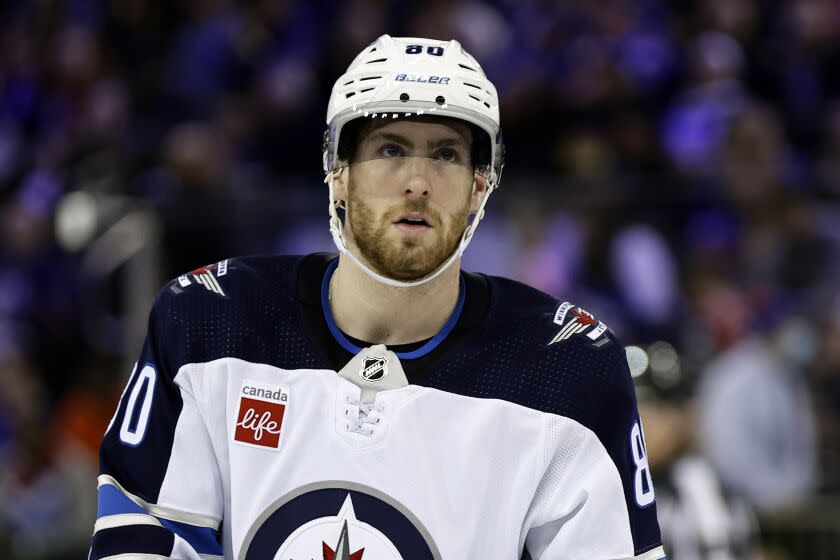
446, 155
391, 150
449, 155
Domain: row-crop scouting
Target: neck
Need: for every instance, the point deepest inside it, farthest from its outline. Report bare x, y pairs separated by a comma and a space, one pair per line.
369, 310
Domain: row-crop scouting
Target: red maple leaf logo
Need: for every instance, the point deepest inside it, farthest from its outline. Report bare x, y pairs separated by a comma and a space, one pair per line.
202, 269
329, 554
583, 317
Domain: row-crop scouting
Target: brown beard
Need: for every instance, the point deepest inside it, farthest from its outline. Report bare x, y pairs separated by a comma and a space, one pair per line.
402, 259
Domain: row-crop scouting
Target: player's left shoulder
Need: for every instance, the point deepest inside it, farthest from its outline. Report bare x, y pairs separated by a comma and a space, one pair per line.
577, 338
552, 324
571, 322
545, 354
559, 341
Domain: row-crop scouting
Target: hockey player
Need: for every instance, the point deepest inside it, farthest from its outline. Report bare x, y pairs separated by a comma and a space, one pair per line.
383, 404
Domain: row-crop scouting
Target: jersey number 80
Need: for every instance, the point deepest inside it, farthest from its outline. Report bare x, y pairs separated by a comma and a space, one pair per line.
642, 480
139, 407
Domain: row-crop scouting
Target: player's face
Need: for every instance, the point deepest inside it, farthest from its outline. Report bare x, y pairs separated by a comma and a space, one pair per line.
410, 193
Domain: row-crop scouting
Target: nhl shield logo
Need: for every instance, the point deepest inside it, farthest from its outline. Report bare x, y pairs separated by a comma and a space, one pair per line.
375, 369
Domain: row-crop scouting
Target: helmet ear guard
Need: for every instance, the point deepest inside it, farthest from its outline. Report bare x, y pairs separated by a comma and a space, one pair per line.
413, 78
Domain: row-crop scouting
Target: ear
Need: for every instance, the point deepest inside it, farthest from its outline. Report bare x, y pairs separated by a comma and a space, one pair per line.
478, 191
340, 185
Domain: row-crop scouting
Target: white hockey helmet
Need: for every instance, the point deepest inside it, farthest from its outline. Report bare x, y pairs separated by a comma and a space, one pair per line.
407, 76
404, 77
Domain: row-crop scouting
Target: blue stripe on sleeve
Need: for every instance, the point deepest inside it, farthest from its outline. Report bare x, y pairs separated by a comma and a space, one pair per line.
113, 502
202, 539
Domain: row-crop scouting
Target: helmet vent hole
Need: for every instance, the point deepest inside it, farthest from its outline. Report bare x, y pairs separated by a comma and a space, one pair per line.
474, 97
403, 97
440, 100
377, 60
464, 66
351, 94
369, 78
472, 85
366, 89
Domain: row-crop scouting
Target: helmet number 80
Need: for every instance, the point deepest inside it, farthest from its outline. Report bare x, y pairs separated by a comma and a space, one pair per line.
417, 49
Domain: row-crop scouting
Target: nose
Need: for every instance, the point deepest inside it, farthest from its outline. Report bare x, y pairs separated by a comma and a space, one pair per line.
418, 182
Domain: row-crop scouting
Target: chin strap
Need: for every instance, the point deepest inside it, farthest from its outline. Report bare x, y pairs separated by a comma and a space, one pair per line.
341, 243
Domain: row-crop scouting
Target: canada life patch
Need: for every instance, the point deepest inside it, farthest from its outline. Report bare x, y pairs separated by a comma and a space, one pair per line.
573, 320
259, 418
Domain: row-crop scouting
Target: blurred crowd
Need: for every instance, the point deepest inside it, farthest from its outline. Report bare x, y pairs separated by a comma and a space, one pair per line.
674, 167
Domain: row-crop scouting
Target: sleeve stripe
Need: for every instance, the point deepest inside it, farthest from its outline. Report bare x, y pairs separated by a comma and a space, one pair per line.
113, 502
160, 511
122, 519
141, 540
657, 553
202, 539
116, 509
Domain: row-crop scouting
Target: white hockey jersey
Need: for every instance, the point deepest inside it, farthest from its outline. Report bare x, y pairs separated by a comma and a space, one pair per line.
246, 431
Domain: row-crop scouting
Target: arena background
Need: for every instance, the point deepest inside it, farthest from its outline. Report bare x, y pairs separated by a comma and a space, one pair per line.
673, 167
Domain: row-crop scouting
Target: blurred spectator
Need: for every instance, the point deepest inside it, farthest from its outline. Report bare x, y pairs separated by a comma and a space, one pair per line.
645, 274
757, 425
755, 159
46, 497
699, 518
825, 374
829, 159
696, 126
83, 413
194, 196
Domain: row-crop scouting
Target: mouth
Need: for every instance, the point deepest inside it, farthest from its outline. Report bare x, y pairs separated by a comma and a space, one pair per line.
412, 222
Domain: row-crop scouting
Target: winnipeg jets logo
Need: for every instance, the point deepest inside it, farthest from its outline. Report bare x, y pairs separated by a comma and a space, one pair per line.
342, 549
338, 520
342, 537
574, 320
375, 369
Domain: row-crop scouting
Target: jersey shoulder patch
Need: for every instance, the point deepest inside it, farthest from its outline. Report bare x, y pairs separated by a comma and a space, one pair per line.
209, 277
572, 320
242, 307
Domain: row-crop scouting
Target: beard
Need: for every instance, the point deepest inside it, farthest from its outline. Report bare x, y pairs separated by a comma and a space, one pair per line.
403, 258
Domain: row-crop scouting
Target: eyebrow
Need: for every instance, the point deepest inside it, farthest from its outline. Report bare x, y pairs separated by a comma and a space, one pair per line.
400, 139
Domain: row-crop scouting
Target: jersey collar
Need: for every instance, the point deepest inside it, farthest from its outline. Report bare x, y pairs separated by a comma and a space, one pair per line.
348, 345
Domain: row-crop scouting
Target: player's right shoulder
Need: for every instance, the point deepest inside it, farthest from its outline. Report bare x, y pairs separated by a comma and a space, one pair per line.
230, 279
226, 309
